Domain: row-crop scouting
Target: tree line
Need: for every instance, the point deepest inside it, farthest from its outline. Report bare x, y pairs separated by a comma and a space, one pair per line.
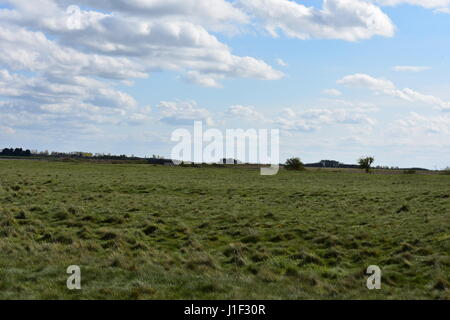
296, 164
365, 163
17, 152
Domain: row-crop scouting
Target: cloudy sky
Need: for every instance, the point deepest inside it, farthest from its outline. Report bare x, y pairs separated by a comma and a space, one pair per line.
339, 78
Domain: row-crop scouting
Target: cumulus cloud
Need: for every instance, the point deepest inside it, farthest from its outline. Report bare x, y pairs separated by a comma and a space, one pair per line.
383, 86
360, 80
168, 40
246, 112
76, 90
421, 131
24, 50
183, 113
59, 59
218, 15
349, 20
60, 64
307, 120
417, 124
314, 119
203, 80
429, 4
76, 105
438, 6
282, 63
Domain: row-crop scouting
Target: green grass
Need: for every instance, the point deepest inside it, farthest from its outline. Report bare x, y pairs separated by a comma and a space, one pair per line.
145, 232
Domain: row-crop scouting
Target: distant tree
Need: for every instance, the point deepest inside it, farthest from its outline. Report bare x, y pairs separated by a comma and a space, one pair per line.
366, 163
294, 164
446, 171
330, 164
17, 152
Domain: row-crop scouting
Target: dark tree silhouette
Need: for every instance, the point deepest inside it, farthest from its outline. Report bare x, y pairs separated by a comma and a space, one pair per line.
366, 163
17, 152
294, 164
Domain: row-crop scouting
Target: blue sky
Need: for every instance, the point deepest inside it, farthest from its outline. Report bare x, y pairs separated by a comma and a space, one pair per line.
339, 78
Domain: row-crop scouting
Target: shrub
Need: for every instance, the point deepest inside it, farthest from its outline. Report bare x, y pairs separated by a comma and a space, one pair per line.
366, 163
409, 171
294, 164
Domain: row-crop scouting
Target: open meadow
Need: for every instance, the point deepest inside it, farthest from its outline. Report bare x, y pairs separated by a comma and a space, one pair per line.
151, 232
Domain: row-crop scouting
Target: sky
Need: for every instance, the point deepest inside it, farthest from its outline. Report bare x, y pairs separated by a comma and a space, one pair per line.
338, 78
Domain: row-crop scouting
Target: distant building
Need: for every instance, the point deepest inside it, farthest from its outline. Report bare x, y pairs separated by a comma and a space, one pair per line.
231, 161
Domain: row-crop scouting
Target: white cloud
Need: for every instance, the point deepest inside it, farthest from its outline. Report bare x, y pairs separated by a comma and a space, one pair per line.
218, 15
365, 81
246, 112
59, 64
349, 20
21, 49
54, 105
282, 63
411, 68
418, 124
76, 90
203, 80
332, 92
424, 132
307, 120
183, 113
439, 6
387, 87
132, 40
429, 4
314, 119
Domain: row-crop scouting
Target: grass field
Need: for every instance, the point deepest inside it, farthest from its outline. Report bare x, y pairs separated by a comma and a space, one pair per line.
145, 232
